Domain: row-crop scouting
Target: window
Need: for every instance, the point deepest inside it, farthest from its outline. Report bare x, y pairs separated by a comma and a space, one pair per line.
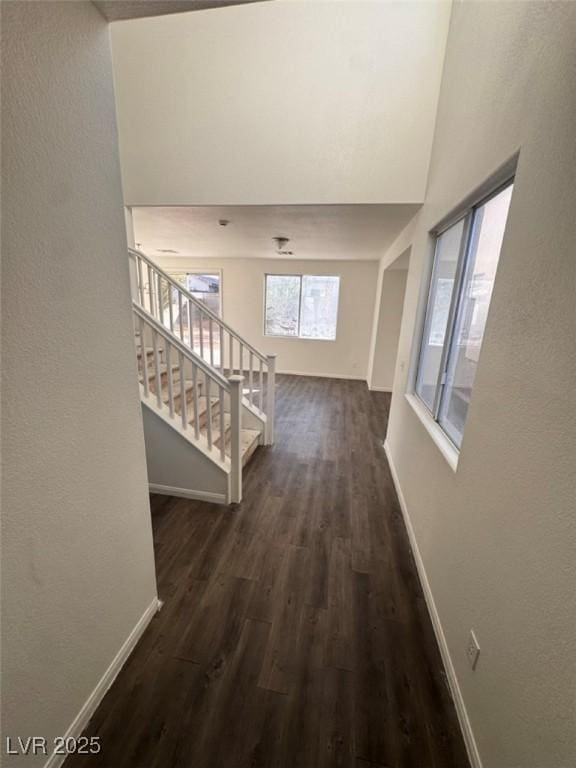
204, 287
465, 261
302, 306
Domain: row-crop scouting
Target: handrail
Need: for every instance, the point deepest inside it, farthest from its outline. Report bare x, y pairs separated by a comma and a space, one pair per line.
203, 412
181, 347
204, 338
202, 307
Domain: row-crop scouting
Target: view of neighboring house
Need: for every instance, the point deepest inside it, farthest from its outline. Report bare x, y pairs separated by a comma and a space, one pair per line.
288, 404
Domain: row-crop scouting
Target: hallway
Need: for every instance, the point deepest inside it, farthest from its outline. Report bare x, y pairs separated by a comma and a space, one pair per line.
294, 632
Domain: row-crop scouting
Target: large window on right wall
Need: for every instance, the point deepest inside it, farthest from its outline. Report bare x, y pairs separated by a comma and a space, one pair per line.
466, 257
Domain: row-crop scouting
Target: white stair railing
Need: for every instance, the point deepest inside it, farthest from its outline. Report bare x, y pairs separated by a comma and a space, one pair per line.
207, 335
197, 398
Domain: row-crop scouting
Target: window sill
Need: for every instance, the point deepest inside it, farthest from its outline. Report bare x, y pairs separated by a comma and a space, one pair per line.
444, 445
296, 338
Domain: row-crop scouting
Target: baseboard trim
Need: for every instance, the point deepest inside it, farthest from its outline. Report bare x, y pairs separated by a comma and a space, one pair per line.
465, 726
91, 705
323, 375
380, 389
185, 493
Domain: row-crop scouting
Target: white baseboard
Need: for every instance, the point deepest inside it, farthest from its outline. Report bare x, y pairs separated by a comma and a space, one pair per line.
91, 705
380, 389
185, 493
323, 375
463, 718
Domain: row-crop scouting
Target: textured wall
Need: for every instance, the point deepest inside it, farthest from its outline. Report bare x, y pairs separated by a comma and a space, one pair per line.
77, 559
498, 537
280, 102
243, 303
389, 320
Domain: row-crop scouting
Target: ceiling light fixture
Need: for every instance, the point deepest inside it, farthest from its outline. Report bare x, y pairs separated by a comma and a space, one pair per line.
281, 243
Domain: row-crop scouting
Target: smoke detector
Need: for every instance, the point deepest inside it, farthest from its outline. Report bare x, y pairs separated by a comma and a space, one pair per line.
281, 243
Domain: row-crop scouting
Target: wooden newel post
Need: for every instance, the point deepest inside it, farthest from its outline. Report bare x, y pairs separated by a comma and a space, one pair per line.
270, 399
236, 438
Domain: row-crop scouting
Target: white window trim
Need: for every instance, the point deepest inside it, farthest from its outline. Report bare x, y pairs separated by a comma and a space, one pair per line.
201, 271
499, 180
299, 338
440, 438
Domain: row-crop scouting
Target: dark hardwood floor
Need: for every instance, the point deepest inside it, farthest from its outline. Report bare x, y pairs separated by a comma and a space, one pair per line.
294, 632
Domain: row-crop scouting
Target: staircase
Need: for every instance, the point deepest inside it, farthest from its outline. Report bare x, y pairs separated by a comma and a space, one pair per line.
207, 393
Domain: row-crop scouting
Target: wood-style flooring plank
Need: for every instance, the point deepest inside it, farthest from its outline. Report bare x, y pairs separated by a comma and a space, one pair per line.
294, 632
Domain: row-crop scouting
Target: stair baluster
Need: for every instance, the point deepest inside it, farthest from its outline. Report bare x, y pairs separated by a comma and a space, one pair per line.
184, 335
270, 398
180, 316
251, 378
211, 341
235, 438
167, 348
221, 351
222, 425
183, 390
209, 411
156, 369
195, 397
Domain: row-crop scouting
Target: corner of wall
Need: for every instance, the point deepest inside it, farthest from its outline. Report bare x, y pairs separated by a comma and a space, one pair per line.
464, 720
375, 323
91, 704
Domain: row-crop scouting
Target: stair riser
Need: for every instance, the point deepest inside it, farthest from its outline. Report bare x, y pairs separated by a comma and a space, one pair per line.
177, 396
150, 357
218, 442
249, 453
203, 421
178, 399
164, 376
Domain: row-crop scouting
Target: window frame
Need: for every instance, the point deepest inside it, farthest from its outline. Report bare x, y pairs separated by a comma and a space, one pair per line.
298, 337
464, 213
200, 271
466, 217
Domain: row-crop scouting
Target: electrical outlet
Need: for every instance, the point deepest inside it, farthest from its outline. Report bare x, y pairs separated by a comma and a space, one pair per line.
472, 650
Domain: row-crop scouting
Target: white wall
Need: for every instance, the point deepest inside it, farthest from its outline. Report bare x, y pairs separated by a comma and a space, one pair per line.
243, 304
280, 102
498, 536
77, 558
388, 322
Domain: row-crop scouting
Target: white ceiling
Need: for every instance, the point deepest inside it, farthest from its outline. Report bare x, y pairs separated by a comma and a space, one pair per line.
361, 232
280, 103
